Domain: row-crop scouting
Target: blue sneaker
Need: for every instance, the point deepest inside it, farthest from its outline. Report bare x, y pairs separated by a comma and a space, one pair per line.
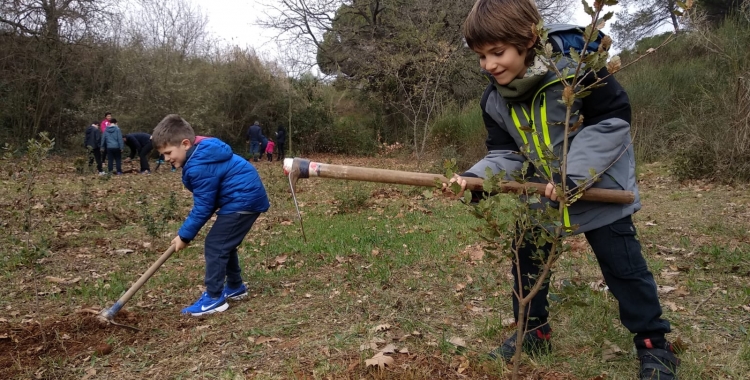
206, 305
235, 294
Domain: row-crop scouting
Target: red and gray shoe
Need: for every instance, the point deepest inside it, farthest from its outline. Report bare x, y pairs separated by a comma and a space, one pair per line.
658, 363
535, 342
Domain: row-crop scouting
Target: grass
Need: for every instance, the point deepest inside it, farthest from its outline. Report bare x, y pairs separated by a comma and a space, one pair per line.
375, 255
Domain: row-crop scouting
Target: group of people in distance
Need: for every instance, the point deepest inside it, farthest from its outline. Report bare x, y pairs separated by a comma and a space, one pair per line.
502, 34
260, 144
105, 142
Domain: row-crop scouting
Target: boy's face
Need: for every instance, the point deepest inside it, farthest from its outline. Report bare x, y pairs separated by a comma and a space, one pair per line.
503, 61
108, 117
176, 154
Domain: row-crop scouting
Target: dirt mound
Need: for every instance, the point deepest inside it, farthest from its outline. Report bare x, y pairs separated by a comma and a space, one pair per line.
24, 345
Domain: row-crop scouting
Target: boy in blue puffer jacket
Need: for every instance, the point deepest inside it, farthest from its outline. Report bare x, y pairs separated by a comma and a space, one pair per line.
221, 182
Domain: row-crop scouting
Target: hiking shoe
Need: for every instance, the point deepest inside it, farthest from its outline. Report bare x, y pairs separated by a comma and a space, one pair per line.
235, 294
146, 172
102, 173
658, 363
535, 342
206, 305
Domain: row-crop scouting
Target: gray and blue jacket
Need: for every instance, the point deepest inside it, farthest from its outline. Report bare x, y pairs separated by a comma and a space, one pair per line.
602, 144
112, 138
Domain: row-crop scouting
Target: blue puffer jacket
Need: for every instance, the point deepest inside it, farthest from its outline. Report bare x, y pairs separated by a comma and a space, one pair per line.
219, 180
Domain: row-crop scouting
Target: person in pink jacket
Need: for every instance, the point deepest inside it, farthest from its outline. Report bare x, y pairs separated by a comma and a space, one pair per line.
105, 123
269, 150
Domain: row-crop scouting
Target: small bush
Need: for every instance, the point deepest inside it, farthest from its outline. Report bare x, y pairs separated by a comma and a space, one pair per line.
351, 199
460, 134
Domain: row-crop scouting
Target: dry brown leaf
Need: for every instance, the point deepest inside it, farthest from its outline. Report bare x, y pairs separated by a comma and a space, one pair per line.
400, 339
286, 223
460, 287
666, 289
202, 327
463, 366
611, 351
403, 350
389, 349
458, 342
280, 259
89, 374
379, 360
383, 327
368, 346
671, 305
469, 280
375, 252
263, 339
507, 322
123, 251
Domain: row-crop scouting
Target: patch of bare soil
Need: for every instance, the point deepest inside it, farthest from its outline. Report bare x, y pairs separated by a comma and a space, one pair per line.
24, 345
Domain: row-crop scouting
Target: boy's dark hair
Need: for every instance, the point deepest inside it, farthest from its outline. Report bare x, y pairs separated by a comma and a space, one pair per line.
171, 131
113, 121
510, 22
107, 114
95, 123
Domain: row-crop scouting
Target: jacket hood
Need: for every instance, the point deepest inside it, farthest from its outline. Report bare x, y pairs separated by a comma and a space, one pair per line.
210, 151
110, 129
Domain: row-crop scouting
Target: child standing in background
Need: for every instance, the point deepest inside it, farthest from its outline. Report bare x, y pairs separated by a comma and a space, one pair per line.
113, 145
91, 142
269, 150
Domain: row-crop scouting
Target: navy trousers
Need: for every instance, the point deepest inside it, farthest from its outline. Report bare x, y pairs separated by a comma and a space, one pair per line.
625, 271
114, 156
222, 262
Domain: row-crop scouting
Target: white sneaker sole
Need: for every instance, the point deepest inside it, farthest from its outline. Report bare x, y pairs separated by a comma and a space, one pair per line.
237, 297
214, 310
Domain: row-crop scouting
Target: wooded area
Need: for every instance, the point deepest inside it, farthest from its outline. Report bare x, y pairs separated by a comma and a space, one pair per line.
392, 71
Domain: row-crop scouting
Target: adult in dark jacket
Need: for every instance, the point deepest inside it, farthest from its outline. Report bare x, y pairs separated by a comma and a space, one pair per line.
91, 142
280, 142
140, 143
254, 137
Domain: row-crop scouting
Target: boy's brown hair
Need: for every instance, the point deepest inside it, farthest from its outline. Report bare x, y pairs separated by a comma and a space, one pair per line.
171, 131
503, 21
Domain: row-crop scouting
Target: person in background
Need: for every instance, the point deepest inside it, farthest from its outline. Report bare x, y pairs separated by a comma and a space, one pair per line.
254, 134
269, 150
280, 142
91, 142
139, 143
113, 145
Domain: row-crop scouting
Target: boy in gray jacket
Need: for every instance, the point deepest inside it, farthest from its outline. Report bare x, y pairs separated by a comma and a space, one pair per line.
113, 145
520, 108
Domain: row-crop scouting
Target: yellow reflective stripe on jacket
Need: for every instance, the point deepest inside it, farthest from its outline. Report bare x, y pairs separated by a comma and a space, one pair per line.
545, 134
518, 125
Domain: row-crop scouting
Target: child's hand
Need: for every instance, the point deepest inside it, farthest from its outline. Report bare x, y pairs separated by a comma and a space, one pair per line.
178, 244
550, 192
458, 180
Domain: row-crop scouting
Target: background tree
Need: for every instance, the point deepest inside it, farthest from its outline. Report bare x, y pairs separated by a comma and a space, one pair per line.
641, 18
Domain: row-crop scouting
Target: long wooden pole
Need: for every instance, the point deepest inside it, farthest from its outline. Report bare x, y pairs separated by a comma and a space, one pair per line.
302, 168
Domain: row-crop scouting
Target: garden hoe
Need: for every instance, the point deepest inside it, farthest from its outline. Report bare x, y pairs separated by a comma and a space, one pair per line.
297, 168
107, 315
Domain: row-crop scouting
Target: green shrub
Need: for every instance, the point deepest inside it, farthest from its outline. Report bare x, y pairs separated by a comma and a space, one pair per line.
691, 102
